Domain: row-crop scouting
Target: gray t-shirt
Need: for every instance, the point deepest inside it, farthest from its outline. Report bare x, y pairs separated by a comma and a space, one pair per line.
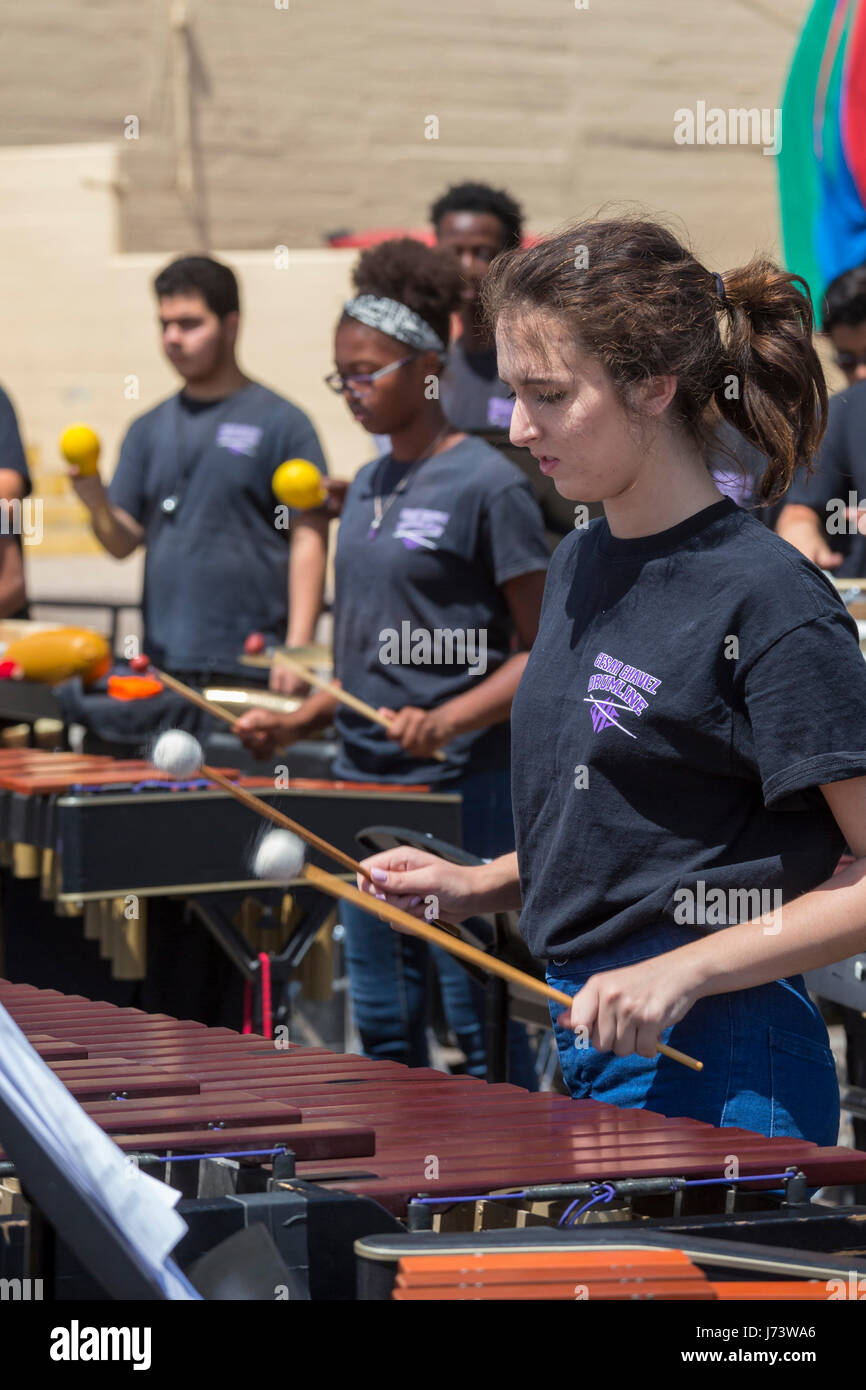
216, 567
11, 449
465, 524
12, 456
472, 394
737, 468
839, 479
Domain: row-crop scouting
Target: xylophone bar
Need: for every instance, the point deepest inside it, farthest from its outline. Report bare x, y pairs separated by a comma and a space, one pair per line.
557, 1275
696, 1291
434, 1134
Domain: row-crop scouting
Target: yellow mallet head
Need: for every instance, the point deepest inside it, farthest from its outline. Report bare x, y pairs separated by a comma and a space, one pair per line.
79, 445
298, 483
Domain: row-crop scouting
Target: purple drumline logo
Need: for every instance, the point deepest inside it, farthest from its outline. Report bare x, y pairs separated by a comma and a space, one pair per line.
624, 682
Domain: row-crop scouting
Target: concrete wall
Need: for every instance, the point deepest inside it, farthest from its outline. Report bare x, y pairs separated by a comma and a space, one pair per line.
80, 341
296, 117
290, 120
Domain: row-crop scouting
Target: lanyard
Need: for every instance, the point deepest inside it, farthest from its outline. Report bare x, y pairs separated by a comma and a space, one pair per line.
188, 461
382, 506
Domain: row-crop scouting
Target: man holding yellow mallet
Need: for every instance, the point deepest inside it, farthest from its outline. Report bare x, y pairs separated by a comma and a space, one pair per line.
194, 485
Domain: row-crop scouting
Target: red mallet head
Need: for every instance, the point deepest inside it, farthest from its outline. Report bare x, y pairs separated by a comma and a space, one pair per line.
254, 644
140, 663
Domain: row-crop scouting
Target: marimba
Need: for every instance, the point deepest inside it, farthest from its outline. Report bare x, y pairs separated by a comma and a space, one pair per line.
345, 1154
111, 826
409, 1139
103, 836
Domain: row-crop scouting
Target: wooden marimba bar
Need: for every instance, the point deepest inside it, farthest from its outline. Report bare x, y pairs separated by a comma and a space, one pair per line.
377, 1129
145, 1080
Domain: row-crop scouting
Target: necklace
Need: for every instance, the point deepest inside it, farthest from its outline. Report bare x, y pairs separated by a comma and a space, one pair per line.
382, 506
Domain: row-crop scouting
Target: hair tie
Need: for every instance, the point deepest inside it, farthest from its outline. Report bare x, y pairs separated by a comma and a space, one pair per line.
720, 289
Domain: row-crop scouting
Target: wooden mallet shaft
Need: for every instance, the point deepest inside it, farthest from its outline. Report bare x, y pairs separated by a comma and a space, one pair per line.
395, 916
398, 918
255, 803
194, 697
284, 658
264, 809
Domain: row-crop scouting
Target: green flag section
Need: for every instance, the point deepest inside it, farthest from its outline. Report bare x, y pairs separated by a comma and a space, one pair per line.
799, 185
822, 162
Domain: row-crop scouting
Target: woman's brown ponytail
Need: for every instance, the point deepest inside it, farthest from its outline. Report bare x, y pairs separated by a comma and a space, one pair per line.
641, 303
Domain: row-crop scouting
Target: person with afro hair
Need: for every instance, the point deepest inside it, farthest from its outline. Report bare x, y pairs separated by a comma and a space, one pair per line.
473, 224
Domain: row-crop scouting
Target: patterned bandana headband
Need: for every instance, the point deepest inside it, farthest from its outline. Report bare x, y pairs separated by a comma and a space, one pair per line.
395, 320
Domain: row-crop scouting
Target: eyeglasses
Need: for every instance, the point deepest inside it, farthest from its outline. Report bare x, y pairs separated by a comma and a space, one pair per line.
849, 361
363, 381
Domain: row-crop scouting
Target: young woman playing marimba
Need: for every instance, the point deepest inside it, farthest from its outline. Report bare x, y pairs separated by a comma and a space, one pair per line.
440, 534
689, 736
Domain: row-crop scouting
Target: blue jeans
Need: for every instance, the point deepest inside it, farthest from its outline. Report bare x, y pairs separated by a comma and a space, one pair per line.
389, 972
767, 1060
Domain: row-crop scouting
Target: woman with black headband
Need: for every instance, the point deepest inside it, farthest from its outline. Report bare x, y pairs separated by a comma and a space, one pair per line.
689, 736
440, 567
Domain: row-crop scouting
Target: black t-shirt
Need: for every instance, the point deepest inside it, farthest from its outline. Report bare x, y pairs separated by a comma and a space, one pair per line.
420, 616
216, 569
686, 695
840, 469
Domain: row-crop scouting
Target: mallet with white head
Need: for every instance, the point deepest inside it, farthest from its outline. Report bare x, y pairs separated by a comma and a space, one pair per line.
180, 755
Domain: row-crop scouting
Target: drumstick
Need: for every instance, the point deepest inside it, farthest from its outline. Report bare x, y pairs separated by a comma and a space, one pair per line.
143, 663
179, 754
282, 657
